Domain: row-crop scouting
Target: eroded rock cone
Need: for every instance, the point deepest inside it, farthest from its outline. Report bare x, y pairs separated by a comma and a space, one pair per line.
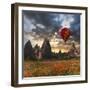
28, 50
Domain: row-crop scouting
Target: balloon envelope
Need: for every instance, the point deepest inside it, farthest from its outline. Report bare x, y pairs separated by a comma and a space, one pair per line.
65, 33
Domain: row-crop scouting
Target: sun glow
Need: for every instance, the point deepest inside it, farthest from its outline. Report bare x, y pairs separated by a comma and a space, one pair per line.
56, 50
64, 50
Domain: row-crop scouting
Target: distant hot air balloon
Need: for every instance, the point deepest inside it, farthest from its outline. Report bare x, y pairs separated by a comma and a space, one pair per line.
65, 33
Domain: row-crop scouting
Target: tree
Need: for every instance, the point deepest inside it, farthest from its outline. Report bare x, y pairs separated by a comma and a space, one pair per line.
28, 50
73, 51
46, 49
36, 51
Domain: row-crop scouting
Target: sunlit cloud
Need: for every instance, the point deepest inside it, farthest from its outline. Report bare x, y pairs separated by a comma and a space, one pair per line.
41, 26
67, 20
64, 20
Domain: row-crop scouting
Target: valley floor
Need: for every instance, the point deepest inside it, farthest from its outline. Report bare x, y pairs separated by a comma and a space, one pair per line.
51, 68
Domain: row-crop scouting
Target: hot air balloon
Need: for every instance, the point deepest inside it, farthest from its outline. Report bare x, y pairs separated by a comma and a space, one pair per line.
65, 33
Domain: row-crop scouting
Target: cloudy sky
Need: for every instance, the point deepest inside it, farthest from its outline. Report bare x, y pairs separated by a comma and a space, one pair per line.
38, 25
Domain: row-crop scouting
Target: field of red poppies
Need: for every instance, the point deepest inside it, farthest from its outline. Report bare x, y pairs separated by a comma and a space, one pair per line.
51, 68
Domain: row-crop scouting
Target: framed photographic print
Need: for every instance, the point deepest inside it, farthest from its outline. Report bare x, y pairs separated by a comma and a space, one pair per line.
49, 44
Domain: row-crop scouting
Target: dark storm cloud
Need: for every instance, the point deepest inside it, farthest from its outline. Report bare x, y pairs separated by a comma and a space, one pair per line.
75, 27
76, 24
45, 24
44, 18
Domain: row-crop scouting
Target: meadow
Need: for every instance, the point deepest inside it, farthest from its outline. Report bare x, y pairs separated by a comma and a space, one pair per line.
51, 67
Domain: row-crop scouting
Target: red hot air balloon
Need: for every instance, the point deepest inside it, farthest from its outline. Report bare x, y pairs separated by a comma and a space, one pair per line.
65, 33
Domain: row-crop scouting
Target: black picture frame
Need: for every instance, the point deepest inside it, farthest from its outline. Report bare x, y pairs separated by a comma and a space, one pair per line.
14, 43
